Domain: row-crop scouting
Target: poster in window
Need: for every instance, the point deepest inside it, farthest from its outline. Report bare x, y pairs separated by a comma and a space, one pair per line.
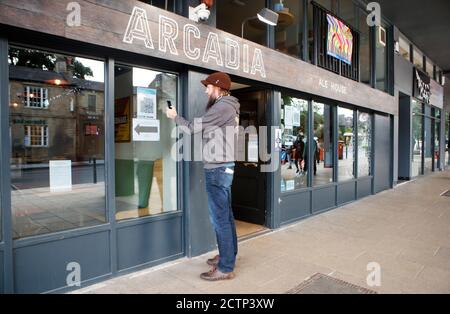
340, 40
122, 120
296, 117
288, 117
146, 103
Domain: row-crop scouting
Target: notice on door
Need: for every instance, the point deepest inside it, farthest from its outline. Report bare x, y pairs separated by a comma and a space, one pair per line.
60, 175
145, 130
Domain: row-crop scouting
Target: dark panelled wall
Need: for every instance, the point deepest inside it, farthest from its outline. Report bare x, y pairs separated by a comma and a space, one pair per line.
382, 153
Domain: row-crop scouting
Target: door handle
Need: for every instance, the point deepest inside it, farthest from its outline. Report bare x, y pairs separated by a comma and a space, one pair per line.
250, 164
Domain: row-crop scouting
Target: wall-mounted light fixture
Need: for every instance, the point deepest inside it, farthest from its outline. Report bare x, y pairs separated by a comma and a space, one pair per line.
265, 15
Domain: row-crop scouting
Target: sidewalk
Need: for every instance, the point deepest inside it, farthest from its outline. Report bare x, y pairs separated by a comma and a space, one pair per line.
405, 230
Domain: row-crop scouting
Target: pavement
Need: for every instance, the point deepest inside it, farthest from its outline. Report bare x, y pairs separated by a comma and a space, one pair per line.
398, 239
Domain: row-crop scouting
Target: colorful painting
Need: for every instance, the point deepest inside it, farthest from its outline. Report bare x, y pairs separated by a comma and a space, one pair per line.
340, 40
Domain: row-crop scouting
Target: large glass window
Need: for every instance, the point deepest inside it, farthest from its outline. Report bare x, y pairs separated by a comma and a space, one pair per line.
237, 16
404, 48
437, 138
146, 173
364, 48
346, 147
364, 144
322, 145
418, 59
289, 30
428, 141
447, 137
417, 143
430, 69
295, 129
381, 58
57, 169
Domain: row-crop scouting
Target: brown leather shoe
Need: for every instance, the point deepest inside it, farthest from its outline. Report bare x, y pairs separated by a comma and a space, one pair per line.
213, 261
216, 275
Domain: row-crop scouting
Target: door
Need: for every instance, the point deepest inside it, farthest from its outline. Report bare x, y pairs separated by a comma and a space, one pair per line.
249, 185
382, 154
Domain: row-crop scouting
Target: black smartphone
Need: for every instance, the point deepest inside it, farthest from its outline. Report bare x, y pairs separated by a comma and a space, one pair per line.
169, 104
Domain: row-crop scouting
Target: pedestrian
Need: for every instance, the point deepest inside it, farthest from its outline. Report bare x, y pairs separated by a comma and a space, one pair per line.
222, 111
314, 155
299, 145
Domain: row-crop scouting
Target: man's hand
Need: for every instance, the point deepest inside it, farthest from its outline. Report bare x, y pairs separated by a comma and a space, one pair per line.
171, 113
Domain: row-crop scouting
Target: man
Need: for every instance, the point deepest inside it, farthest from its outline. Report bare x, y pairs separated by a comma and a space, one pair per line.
222, 114
305, 156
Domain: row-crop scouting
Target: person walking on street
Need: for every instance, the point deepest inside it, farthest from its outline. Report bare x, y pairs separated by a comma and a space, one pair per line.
222, 112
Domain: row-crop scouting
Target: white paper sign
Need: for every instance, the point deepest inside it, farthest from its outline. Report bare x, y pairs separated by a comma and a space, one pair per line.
253, 148
60, 175
288, 115
146, 103
145, 130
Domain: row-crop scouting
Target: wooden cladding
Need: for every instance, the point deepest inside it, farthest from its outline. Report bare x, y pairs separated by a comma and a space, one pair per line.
178, 39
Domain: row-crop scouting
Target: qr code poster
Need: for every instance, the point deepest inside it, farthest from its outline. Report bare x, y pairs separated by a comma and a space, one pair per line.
146, 103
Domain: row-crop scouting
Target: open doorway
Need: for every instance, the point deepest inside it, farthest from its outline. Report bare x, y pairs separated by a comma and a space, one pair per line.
249, 185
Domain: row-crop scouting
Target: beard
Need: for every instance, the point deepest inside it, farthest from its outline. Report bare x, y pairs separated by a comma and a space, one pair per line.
211, 102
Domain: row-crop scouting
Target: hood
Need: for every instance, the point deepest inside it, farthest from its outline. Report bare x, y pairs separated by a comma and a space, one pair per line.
231, 101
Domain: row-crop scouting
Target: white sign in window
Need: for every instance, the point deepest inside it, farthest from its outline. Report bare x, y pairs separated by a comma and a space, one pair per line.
145, 130
60, 175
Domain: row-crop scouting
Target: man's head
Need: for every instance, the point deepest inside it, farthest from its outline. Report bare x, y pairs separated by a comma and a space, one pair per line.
217, 84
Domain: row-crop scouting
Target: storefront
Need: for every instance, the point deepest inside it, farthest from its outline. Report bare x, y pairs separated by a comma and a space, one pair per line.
421, 128
89, 188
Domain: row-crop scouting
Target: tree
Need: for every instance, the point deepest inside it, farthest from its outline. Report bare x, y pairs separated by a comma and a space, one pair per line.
44, 61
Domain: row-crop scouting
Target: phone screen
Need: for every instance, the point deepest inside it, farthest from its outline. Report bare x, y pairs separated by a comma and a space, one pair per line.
169, 104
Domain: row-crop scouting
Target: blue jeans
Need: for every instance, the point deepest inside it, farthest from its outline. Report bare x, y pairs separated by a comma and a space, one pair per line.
218, 187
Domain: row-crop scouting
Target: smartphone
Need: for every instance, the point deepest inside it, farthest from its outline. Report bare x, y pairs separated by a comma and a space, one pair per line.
169, 104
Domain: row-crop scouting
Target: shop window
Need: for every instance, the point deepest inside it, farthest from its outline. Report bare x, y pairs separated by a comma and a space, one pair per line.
437, 138
364, 144
289, 30
55, 185
294, 150
404, 48
35, 97
346, 147
322, 145
36, 136
447, 138
235, 16
417, 140
146, 172
418, 59
428, 141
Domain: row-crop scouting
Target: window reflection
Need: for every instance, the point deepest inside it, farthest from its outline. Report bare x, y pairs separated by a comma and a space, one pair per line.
232, 17
417, 129
322, 145
295, 127
57, 153
146, 174
346, 148
364, 144
289, 30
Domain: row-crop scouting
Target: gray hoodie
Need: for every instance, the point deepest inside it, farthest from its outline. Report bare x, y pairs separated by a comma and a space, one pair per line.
219, 126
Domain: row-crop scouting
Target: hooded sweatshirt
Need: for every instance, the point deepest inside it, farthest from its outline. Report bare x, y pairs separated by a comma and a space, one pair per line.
219, 126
